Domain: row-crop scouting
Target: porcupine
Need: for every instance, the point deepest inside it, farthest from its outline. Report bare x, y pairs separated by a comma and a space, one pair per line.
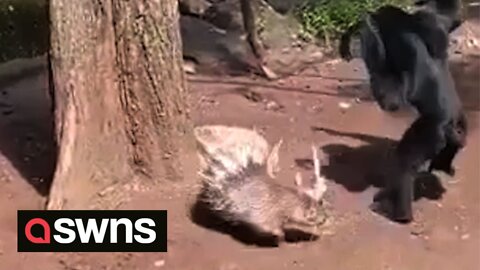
241, 190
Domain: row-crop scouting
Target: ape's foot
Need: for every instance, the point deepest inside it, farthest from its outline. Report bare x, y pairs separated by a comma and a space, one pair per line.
448, 169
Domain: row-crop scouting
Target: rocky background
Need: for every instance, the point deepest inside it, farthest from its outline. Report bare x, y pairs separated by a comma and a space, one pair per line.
214, 39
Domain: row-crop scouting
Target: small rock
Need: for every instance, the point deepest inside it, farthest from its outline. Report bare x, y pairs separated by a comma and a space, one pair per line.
358, 100
159, 263
465, 236
189, 67
456, 228
273, 106
344, 105
317, 108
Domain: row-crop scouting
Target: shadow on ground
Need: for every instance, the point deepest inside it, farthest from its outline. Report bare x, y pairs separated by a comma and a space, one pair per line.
359, 168
26, 121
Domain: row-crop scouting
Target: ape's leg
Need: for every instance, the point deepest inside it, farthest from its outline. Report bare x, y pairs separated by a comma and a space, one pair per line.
421, 142
403, 197
456, 137
443, 161
397, 197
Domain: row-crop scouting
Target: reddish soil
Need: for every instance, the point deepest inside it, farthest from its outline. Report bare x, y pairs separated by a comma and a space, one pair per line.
303, 109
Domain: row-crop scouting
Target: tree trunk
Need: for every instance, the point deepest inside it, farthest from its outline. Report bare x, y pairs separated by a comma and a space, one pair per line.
120, 104
249, 25
253, 40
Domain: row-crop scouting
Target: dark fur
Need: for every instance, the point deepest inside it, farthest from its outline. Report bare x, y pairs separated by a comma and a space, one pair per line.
431, 21
406, 56
446, 11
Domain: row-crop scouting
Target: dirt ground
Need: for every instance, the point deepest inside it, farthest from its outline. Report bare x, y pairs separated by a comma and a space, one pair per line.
303, 109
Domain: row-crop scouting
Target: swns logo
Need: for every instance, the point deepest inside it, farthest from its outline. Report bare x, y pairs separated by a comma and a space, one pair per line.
92, 231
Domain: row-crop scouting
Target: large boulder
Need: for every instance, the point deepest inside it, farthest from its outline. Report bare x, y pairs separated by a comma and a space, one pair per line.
225, 15
212, 49
215, 40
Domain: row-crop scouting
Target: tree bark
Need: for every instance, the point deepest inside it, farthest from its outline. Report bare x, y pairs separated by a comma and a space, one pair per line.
249, 25
120, 98
253, 40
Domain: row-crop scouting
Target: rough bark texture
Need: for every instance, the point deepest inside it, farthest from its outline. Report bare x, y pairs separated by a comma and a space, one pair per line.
121, 109
249, 25
248, 16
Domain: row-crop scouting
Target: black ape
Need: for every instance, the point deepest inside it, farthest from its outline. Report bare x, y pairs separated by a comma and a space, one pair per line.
406, 56
432, 22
